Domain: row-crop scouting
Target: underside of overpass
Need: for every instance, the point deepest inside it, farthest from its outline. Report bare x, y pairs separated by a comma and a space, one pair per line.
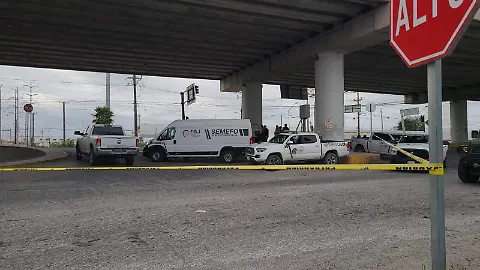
379, 69
208, 39
215, 39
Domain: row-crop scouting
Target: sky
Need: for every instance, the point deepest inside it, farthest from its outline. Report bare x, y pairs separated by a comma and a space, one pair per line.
159, 102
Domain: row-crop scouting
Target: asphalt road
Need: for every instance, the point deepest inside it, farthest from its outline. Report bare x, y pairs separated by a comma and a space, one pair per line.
230, 220
139, 161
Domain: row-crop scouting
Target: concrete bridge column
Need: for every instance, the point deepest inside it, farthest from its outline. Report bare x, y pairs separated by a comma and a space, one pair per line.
458, 121
329, 100
252, 104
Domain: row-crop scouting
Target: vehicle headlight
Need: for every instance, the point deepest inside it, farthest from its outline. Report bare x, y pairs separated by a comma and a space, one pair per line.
261, 150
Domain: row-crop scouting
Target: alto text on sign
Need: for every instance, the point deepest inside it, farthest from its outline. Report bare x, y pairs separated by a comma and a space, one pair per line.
422, 31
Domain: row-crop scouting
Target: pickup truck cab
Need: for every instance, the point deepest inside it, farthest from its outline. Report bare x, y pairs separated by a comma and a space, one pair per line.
416, 144
106, 141
296, 147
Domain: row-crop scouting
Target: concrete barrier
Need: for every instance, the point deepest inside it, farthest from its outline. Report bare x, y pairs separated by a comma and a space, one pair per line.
15, 155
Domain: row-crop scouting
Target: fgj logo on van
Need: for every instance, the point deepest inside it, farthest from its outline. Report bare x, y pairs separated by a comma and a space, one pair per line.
191, 133
222, 132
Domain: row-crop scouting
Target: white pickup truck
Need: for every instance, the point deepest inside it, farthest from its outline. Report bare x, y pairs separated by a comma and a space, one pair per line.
417, 145
106, 141
376, 143
295, 147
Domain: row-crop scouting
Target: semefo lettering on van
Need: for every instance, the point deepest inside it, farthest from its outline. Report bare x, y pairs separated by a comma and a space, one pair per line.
220, 132
191, 133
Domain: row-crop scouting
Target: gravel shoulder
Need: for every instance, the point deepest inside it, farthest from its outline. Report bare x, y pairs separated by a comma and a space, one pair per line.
230, 220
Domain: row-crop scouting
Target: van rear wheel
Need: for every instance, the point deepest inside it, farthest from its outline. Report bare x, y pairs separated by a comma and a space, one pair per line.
227, 156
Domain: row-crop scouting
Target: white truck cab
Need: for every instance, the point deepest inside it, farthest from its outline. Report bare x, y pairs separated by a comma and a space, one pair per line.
416, 144
295, 147
379, 142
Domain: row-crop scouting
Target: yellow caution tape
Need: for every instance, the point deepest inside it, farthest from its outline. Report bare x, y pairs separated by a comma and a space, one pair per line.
410, 155
438, 172
434, 169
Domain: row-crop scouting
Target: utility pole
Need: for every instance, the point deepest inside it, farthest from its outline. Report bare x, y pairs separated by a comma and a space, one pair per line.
63, 105
32, 143
135, 80
381, 116
29, 130
16, 117
139, 123
107, 91
182, 101
358, 113
26, 138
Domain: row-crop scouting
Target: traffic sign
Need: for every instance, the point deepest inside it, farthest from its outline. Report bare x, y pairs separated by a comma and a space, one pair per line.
353, 108
422, 31
28, 107
371, 107
410, 112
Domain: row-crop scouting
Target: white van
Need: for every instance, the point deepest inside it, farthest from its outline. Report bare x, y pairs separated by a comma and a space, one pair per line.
201, 138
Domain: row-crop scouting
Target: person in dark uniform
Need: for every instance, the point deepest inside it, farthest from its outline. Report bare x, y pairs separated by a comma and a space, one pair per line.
265, 132
285, 128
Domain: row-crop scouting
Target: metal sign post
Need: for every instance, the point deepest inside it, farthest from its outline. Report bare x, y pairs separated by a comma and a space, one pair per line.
371, 108
437, 205
420, 37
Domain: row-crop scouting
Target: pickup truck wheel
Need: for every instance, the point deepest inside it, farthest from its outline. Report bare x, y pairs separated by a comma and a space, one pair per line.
274, 159
359, 148
227, 156
158, 155
92, 159
78, 154
129, 161
330, 158
465, 175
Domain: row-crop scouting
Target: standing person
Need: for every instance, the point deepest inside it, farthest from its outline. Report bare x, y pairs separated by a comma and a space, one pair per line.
278, 130
265, 133
285, 128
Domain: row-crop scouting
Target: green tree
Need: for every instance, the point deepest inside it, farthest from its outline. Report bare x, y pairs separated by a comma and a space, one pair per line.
415, 123
103, 115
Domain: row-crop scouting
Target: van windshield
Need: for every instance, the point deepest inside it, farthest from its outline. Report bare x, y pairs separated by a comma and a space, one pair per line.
279, 138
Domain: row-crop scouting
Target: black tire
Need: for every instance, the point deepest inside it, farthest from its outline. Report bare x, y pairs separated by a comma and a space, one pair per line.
227, 156
465, 175
359, 148
158, 155
78, 154
274, 159
92, 159
331, 158
129, 161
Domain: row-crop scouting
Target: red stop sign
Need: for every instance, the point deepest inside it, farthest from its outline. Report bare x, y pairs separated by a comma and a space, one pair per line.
422, 31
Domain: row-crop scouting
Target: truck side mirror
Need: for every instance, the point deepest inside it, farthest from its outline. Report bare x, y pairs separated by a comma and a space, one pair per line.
77, 133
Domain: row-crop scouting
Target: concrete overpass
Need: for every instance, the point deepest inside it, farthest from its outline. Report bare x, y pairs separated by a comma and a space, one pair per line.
332, 44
